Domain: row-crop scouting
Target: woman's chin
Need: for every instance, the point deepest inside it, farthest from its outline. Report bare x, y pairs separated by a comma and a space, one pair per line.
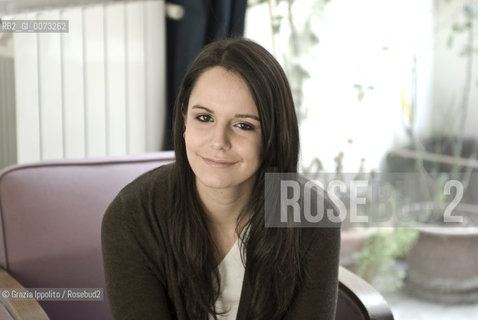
215, 183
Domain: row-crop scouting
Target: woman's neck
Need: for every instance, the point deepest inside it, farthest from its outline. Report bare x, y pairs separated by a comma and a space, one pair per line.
223, 207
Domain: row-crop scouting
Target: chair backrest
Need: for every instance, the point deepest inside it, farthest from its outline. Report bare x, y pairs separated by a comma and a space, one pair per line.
50, 224
348, 308
358, 300
50, 232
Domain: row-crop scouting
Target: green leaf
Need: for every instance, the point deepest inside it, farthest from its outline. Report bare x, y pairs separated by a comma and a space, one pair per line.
360, 96
449, 42
314, 39
457, 28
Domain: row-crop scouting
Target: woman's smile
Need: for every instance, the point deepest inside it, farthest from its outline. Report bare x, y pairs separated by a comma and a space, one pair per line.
217, 163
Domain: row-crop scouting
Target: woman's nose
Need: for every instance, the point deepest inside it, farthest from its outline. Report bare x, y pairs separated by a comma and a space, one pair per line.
220, 137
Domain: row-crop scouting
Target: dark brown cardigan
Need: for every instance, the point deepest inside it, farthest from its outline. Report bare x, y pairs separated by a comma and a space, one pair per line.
139, 277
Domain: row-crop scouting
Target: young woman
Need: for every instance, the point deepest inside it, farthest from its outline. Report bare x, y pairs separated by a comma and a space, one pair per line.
187, 240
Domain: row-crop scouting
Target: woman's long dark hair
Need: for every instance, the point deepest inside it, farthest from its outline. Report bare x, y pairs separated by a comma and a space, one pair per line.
272, 254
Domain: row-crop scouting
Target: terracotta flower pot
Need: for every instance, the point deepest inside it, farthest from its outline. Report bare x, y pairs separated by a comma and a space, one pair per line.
443, 264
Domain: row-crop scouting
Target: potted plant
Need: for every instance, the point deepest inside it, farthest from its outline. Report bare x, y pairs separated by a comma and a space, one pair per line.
442, 265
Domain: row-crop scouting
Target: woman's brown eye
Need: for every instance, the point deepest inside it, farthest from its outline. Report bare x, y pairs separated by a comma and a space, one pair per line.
204, 118
245, 126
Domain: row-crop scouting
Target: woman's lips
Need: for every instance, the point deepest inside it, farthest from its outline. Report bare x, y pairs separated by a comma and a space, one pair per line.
218, 163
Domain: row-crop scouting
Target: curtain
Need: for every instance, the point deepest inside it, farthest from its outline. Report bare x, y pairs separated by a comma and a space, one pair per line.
190, 25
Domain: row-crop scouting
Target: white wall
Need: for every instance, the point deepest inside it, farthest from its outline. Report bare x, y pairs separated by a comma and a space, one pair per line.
450, 72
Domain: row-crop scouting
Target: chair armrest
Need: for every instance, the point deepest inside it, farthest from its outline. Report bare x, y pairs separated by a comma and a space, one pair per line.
368, 301
23, 309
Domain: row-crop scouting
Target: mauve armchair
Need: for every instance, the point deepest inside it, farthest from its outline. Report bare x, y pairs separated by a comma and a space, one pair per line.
50, 231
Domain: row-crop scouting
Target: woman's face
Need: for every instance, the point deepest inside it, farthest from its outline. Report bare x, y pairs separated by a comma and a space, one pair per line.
223, 133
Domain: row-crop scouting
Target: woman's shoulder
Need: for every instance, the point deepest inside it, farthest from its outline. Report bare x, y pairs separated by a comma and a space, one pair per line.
133, 229
156, 178
137, 200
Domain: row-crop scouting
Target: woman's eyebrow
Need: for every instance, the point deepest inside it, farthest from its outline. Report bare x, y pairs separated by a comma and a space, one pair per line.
245, 115
201, 107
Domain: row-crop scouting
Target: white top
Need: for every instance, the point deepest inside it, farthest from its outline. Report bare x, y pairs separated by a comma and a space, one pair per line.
231, 271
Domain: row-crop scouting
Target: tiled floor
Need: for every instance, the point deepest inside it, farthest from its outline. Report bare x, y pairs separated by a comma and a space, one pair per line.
405, 307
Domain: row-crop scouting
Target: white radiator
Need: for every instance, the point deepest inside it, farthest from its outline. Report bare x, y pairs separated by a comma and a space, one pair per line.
97, 90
